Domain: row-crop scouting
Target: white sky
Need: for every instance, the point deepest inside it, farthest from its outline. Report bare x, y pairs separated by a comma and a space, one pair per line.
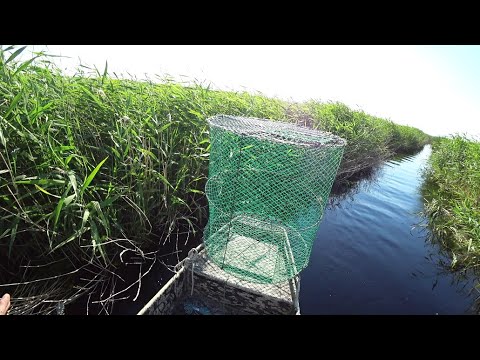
411, 85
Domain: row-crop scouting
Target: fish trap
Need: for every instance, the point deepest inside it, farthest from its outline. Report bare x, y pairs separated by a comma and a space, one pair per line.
268, 186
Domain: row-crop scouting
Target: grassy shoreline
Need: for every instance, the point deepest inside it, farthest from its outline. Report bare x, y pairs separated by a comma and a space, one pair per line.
95, 169
452, 200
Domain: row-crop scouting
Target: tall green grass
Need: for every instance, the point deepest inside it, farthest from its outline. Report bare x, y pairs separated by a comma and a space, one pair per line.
452, 199
94, 168
371, 140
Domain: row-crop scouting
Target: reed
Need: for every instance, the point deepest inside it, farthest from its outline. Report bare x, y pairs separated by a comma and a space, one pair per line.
452, 200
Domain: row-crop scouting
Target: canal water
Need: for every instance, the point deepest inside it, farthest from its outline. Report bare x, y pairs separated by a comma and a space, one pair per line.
371, 258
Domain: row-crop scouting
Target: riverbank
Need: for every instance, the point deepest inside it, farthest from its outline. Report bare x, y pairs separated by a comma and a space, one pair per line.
99, 172
452, 200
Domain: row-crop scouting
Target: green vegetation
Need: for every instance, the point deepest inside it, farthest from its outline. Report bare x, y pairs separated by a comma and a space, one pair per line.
452, 199
371, 140
94, 168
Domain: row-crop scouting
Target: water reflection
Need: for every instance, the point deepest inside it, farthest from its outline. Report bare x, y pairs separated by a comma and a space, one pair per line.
371, 257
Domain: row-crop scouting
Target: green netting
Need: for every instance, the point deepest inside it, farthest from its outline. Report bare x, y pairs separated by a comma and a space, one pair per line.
268, 186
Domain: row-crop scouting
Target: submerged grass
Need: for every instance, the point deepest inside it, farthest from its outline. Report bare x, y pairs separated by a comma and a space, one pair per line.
94, 168
452, 200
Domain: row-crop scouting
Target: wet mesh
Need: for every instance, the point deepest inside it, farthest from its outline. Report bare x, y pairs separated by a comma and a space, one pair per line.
268, 185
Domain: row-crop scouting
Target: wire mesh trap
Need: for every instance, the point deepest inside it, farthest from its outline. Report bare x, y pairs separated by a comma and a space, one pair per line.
268, 186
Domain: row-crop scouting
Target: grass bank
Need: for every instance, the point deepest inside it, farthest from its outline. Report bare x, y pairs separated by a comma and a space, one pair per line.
96, 171
452, 199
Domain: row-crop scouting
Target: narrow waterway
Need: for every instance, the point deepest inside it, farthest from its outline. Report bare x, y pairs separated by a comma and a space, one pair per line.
369, 258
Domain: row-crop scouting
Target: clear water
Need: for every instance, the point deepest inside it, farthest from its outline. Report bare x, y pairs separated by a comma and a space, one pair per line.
368, 258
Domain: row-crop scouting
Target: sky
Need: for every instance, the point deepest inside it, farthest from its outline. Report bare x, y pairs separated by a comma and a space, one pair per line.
434, 88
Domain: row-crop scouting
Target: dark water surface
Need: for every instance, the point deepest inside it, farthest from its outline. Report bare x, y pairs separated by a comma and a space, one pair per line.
367, 259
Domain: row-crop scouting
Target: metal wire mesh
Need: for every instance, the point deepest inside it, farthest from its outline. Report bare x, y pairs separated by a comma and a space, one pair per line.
268, 186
